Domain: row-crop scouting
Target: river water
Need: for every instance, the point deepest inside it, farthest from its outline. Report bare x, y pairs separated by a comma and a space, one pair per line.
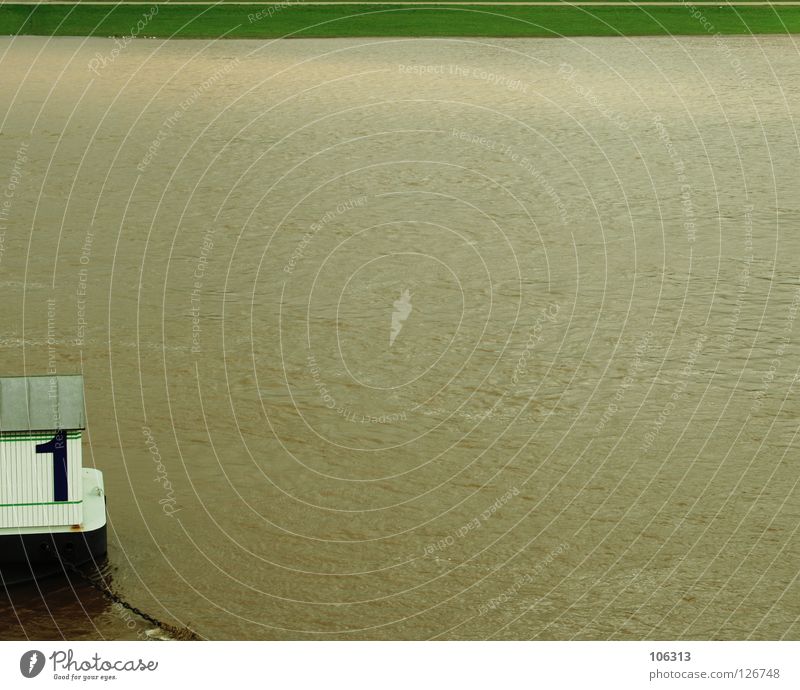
408, 338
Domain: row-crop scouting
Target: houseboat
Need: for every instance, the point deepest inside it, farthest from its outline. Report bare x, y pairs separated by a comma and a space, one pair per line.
52, 508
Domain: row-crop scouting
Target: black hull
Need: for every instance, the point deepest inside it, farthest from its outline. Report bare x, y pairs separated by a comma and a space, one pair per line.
26, 557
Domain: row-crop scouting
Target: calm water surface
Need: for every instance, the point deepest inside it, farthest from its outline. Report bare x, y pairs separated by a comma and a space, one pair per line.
417, 338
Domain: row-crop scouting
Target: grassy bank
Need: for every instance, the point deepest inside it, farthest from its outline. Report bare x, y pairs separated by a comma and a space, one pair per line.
297, 20
395, 2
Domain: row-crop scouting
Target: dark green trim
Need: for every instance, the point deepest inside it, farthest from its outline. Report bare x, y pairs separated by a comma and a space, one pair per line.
11, 438
47, 503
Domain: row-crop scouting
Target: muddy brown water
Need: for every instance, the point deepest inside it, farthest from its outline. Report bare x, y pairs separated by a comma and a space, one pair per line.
407, 338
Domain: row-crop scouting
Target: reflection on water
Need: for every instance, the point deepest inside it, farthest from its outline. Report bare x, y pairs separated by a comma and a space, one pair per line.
580, 420
53, 607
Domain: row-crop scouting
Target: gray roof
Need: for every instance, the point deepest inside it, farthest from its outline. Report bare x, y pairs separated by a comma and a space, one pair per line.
38, 403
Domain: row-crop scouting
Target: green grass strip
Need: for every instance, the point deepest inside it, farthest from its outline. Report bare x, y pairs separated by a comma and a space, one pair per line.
298, 20
277, 4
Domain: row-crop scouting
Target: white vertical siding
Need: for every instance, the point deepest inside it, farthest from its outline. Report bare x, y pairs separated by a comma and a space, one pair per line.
26, 482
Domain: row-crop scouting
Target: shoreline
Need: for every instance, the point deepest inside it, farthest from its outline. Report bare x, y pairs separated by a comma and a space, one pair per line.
383, 20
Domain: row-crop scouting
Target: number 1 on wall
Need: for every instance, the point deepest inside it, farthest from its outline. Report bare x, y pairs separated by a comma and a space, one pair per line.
58, 447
